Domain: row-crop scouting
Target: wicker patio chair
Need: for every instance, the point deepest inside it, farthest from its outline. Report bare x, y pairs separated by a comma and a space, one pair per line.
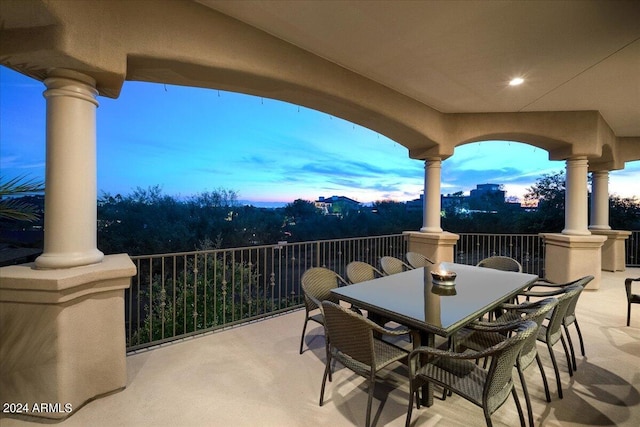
358, 271
352, 342
551, 333
570, 316
317, 283
503, 263
458, 372
631, 298
392, 265
480, 335
417, 260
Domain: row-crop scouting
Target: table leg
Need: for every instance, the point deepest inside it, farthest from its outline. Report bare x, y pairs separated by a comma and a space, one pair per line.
427, 390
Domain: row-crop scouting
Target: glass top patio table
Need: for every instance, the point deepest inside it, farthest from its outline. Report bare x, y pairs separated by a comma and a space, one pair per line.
411, 298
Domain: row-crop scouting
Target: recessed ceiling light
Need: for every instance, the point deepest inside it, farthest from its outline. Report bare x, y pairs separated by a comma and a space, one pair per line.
517, 81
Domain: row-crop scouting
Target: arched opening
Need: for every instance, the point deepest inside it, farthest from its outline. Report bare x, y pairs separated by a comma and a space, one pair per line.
513, 165
189, 140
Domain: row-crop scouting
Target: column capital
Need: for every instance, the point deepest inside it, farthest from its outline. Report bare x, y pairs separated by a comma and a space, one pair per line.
63, 82
577, 161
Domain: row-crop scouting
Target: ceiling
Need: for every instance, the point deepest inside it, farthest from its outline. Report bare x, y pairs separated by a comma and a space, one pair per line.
458, 56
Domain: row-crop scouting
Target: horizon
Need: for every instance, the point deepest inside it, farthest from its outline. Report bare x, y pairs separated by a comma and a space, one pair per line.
191, 140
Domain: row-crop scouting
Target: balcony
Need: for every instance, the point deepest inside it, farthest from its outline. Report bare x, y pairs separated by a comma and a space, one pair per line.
252, 374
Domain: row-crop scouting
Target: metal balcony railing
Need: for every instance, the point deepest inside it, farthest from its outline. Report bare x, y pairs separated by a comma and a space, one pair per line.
527, 249
181, 294
632, 249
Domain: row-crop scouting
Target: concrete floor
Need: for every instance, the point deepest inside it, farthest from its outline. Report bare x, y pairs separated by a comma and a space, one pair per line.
252, 375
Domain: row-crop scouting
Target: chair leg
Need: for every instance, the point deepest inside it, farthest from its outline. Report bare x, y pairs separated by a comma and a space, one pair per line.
487, 418
520, 414
572, 351
327, 350
327, 370
628, 313
567, 354
372, 384
555, 368
580, 337
527, 398
544, 378
304, 329
412, 395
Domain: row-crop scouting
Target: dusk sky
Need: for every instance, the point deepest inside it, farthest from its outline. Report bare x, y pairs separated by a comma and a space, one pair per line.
189, 140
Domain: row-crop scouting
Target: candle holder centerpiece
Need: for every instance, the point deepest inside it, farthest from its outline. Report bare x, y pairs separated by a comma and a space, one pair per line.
443, 277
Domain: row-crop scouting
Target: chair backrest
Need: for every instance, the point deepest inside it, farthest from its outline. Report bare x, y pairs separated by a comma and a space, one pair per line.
392, 265
503, 358
503, 263
358, 271
536, 312
570, 315
417, 260
557, 317
349, 332
318, 283
627, 286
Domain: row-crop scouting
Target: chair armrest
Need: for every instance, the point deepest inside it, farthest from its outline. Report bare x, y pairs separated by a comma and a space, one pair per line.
341, 281
556, 291
518, 307
546, 285
316, 301
627, 285
468, 354
496, 326
384, 331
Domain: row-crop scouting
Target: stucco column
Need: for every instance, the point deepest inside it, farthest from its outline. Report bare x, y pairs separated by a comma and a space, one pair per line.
431, 206
71, 180
576, 200
613, 249
599, 201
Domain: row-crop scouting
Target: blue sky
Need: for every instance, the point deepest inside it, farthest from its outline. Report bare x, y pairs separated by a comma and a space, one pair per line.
189, 140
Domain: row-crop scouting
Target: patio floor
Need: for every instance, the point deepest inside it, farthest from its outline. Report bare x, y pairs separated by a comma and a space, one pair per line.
253, 375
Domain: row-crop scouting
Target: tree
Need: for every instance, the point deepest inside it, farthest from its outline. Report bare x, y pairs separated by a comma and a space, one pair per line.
624, 213
549, 192
301, 210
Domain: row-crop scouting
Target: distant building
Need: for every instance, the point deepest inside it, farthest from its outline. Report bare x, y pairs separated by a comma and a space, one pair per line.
484, 198
336, 205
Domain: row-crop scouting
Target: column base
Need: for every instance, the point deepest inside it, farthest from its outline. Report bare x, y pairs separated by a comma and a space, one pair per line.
438, 247
66, 260
570, 257
613, 252
62, 339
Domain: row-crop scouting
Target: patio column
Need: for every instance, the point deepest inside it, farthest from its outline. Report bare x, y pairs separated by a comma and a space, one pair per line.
62, 340
613, 249
431, 201
575, 252
600, 201
71, 183
431, 241
576, 201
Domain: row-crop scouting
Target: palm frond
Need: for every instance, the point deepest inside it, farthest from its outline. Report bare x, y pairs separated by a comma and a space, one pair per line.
12, 208
17, 210
20, 185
